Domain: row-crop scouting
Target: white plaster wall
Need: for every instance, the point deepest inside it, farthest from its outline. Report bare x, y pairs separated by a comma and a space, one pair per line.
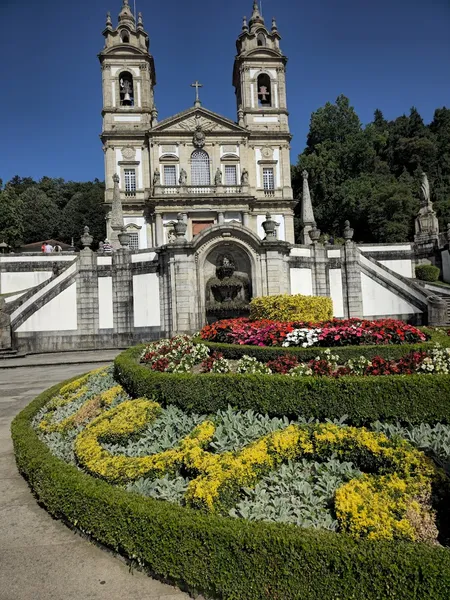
146, 300
281, 235
387, 248
378, 268
334, 253
266, 119
144, 257
104, 260
301, 281
50, 258
60, 314
300, 252
336, 292
127, 119
105, 303
379, 301
402, 267
16, 282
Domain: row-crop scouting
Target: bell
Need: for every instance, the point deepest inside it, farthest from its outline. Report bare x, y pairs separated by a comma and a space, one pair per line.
127, 99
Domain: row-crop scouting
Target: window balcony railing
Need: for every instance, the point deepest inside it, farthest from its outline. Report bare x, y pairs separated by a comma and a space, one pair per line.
187, 190
130, 194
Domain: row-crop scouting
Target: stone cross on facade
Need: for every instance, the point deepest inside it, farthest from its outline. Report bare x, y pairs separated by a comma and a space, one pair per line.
197, 85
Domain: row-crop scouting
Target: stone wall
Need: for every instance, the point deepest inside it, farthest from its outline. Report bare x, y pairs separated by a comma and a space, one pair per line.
106, 301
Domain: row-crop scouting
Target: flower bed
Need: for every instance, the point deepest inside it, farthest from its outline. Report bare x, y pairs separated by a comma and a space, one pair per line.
182, 355
356, 480
350, 332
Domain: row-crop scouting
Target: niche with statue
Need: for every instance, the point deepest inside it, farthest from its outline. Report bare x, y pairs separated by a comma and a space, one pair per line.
228, 290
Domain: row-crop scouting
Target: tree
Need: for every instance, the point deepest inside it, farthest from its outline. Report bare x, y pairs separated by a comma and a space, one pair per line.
41, 217
11, 218
86, 207
371, 175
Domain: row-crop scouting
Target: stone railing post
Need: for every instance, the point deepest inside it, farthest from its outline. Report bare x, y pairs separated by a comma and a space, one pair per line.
122, 281
437, 311
87, 293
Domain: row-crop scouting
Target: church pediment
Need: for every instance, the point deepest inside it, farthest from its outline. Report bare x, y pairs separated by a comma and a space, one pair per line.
189, 120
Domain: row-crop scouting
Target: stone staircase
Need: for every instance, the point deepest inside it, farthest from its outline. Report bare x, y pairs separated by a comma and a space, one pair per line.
446, 298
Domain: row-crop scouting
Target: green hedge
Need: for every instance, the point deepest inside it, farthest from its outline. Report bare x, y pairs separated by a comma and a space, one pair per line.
409, 398
225, 558
391, 351
427, 272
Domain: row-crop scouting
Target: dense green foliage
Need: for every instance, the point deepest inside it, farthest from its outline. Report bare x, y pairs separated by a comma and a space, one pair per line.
33, 211
410, 398
427, 272
371, 175
222, 558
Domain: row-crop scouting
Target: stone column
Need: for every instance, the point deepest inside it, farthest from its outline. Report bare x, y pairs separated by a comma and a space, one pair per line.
159, 229
276, 267
351, 280
87, 293
245, 219
122, 282
220, 218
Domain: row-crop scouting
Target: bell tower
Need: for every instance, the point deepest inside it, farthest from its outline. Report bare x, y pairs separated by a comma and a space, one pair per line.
129, 112
259, 76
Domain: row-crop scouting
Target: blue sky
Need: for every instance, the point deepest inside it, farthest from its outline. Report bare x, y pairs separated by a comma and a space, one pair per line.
387, 54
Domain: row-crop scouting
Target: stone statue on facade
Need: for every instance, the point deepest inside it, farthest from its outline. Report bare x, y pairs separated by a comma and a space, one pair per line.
183, 177
427, 224
156, 177
218, 177
244, 177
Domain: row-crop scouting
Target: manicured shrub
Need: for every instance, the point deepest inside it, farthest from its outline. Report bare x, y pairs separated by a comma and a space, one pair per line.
427, 272
407, 398
292, 308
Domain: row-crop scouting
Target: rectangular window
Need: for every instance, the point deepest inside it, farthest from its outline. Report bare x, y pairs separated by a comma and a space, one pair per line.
134, 241
230, 175
130, 180
170, 175
268, 179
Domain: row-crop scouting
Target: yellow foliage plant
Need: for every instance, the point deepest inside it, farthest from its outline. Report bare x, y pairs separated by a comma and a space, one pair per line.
87, 411
388, 503
285, 307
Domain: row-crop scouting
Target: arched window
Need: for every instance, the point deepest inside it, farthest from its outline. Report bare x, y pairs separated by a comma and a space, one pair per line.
261, 39
200, 171
125, 37
264, 90
126, 89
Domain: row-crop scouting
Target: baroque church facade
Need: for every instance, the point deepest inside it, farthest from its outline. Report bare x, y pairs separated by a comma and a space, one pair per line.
197, 165
201, 220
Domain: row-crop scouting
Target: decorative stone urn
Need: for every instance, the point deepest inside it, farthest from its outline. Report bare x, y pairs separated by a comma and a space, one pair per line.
180, 227
124, 238
270, 227
314, 233
86, 238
